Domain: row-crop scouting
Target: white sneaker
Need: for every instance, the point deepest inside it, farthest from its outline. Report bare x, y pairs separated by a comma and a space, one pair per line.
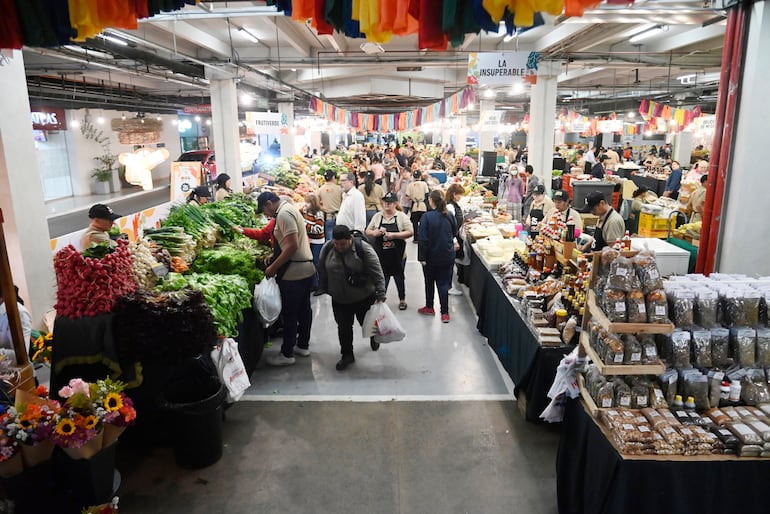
302, 352
279, 360
455, 292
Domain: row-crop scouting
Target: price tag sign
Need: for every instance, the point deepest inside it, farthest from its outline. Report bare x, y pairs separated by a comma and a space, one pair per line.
160, 270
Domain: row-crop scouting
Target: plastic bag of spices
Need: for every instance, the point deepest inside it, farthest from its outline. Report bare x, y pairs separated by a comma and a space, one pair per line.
679, 354
744, 345
622, 394
606, 259
657, 307
647, 271
707, 302
614, 352
683, 305
615, 305
763, 347
632, 350
621, 275
649, 350
701, 348
636, 307
720, 347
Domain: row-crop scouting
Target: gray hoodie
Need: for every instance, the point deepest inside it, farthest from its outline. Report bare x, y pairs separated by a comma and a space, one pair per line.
332, 273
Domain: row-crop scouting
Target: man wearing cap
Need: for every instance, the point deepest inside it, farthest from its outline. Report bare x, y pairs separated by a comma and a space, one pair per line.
610, 227
563, 210
102, 219
541, 209
292, 264
330, 195
352, 211
353, 278
389, 229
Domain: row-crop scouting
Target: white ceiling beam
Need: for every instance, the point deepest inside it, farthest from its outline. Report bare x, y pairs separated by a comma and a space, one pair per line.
286, 34
559, 34
578, 73
191, 33
691, 37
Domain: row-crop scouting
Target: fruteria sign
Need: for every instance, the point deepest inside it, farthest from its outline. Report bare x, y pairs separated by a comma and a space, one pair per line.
271, 123
502, 67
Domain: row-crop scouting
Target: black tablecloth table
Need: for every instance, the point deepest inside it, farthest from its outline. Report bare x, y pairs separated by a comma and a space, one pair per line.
593, 478
531, 367
651, 183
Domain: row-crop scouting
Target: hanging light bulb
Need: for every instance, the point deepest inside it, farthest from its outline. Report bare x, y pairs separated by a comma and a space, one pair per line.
100, 120
631, 115
489, 93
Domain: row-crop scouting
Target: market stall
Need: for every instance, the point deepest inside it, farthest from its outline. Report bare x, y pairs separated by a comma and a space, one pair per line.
650, 344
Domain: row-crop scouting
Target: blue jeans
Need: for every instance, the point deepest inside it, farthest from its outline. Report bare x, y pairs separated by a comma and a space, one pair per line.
370, 215
329, 227
399, 280
440, 277
297, 314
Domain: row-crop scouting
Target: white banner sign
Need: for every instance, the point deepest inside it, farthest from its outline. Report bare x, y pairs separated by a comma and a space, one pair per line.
491, 119
185, 176
502, 68
706, 123
580, 126
271, 123
611, 126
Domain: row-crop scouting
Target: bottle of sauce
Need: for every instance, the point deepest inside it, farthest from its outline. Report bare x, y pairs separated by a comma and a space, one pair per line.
627, 242
617, 246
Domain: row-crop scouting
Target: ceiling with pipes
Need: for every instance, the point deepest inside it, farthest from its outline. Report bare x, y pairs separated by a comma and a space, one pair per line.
610, 58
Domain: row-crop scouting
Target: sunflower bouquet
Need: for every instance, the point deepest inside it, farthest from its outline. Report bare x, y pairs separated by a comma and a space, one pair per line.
10, 457
78, 429
41, 347
33, 424
119, 409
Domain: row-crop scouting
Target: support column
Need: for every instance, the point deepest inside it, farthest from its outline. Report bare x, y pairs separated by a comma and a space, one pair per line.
542, 111
287, 140
743, 245
21, 195
486, 134
224, 120
461, 135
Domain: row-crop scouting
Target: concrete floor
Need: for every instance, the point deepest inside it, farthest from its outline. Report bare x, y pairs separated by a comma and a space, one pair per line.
424, 425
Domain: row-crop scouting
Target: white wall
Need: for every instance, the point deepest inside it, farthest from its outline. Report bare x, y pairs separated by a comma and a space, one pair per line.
745, 245
21, 195
82, 151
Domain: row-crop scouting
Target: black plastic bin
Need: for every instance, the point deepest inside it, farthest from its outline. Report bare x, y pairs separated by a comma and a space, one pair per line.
194, 409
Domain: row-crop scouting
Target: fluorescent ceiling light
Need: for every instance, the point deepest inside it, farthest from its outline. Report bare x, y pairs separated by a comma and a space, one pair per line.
251, 37
90, 53
631, 115
113, 39
489, 93
648, 33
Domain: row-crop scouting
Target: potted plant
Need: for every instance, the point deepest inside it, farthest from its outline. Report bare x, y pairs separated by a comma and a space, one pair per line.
102, 173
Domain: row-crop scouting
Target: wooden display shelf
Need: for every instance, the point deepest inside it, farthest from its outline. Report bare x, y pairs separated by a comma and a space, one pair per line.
618, 369
673, 458
624, 328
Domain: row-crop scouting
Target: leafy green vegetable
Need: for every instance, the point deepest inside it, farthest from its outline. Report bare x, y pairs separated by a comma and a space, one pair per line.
226, 296
227, 259
98, 250
114, 230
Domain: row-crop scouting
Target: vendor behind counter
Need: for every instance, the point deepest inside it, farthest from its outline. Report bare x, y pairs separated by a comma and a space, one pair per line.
610, 226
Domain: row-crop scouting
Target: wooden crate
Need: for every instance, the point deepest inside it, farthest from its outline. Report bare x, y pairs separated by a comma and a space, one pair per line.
624, 328
618, 369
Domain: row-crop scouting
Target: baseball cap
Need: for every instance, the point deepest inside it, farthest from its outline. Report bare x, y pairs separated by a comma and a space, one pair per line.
390, 197
102, 212
539, 190
265, 197
203, 192
593, 199
561, 195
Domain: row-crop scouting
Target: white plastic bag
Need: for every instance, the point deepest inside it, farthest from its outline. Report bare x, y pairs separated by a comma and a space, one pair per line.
382, 324
230, 368
267, 301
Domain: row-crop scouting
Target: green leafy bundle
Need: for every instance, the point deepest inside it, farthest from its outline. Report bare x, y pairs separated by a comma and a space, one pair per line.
227, 259
226, 295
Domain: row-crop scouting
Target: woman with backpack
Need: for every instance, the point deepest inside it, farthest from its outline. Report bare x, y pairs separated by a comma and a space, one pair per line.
436, 252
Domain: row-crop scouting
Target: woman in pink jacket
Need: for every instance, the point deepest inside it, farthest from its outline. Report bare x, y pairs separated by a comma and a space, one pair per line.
515, 194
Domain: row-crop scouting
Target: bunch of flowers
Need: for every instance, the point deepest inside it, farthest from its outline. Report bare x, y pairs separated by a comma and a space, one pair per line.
119, 409
34, 421
42, 347
9, 445
80, 419
106, 508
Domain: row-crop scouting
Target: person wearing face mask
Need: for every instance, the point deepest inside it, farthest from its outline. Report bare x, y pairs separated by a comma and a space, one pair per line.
389, 229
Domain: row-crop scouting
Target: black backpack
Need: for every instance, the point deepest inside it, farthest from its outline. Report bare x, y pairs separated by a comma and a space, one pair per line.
355, 279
